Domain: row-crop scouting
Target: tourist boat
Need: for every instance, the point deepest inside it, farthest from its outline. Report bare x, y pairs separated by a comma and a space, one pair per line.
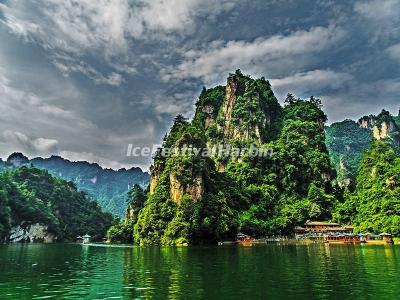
344, 239
381, 239
243, 238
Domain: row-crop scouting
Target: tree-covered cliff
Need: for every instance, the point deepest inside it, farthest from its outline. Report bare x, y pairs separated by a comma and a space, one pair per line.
201, 198
347, 141
49, 208
374, 205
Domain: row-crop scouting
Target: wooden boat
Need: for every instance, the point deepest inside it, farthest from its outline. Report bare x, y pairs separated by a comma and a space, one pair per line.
244, 239
344, 239
381, 239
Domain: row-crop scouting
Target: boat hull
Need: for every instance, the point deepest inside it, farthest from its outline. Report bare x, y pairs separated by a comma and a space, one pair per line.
371, 242
344, 242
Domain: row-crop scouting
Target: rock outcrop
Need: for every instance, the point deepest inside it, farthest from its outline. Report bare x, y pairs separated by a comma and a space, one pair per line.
383, 130
177, 189
31, 233
243, 112
382, 125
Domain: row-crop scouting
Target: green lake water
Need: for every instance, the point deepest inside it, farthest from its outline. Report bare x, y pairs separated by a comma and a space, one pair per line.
317, 271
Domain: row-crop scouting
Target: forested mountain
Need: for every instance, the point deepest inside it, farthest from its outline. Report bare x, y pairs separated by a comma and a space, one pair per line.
203, 198
107, 186
35, 206
347, 141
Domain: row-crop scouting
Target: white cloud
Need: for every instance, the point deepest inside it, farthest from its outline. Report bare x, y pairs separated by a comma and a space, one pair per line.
394, 52
179, 15
310, 82
67, 65
255, 57
104, 27
93, 158
177, 103
381, 18
377, 9
32, 108
32, 146
361, 99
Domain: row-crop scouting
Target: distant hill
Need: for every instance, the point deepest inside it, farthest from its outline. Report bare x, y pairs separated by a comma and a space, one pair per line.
107, 186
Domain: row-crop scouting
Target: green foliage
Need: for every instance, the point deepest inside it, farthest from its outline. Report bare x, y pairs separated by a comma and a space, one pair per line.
121, 232
397, 120
256, 107
279, 192
29, 195
374, 206
5, 212
347, 142
304, 111
212, 97
383, 117
136, 200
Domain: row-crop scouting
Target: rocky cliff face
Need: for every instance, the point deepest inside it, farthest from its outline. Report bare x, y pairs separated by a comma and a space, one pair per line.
31, 233
382, 126
130, 212
243, 112
383, 130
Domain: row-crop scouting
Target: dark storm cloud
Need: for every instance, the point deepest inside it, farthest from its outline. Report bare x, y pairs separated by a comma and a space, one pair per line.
86, 78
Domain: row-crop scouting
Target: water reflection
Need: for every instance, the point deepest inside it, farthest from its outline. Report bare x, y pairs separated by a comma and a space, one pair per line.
315, 271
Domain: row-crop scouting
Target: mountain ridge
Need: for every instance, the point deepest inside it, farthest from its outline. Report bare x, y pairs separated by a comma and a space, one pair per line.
108, 186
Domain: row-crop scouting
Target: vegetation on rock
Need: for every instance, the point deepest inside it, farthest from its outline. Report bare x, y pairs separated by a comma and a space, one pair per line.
347, 142
200, 199
29, 196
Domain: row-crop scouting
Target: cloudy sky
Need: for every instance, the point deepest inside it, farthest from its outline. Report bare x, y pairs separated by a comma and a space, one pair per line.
83, 78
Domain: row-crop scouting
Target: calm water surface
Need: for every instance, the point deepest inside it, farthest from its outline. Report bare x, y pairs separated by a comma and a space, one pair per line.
318, 271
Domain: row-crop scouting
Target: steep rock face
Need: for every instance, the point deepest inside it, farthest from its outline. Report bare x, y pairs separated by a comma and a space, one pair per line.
383, 130
130, 212
382, 125
227, 108
153, 181
243, 112
31, 233
176, 188
195, 188
248, 111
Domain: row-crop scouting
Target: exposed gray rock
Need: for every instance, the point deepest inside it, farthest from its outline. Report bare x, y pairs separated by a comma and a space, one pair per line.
31, 233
